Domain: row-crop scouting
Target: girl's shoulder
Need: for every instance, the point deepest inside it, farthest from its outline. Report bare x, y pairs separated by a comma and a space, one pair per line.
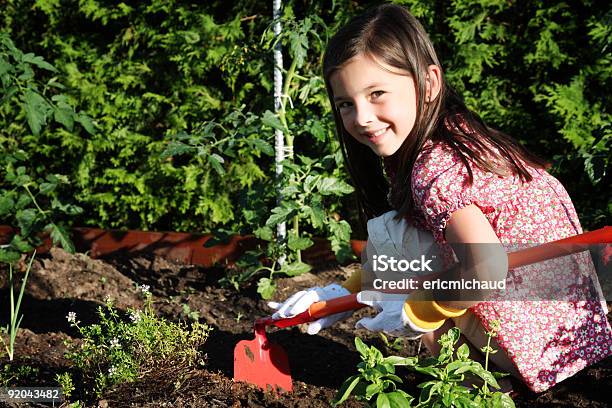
437, 159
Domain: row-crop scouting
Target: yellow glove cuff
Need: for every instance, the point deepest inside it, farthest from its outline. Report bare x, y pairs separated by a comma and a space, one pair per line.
427, 313
353, 282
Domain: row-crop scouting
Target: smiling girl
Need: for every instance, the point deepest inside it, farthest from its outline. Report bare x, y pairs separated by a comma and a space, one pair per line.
411, 145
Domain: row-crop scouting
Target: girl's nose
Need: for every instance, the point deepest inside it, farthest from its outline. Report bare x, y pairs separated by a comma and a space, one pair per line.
364, 114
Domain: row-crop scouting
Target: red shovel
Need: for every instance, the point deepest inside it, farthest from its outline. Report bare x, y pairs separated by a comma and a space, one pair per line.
266, 365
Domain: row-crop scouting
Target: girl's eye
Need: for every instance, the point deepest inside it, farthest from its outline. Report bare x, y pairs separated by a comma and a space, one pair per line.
343, 105
377, 94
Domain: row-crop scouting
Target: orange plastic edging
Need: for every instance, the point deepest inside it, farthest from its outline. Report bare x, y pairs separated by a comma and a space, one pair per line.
175, 246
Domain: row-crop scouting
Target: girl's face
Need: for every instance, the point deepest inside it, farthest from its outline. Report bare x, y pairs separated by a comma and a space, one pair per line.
378, 107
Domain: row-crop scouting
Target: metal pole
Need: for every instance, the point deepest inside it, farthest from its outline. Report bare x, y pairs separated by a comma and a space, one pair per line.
279, 145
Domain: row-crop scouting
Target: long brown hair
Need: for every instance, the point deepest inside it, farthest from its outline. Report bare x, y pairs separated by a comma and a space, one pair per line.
390, 34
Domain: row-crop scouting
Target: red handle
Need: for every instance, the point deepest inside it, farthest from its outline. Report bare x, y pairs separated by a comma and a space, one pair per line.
565, 246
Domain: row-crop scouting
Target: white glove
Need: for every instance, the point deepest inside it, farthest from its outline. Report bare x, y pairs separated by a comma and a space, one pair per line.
391, 318
301, 301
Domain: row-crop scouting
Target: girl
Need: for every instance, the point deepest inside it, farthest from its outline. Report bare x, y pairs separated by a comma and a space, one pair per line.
444, 171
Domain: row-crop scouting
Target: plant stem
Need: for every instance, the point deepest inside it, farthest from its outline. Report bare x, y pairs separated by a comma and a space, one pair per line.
485, 385
15, 321
34, 200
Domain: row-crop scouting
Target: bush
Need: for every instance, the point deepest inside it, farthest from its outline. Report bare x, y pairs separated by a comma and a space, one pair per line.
147, 71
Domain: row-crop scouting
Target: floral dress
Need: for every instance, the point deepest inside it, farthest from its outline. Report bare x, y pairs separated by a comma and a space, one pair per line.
548, 340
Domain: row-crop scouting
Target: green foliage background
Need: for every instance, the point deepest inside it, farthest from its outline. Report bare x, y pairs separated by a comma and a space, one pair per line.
146, 71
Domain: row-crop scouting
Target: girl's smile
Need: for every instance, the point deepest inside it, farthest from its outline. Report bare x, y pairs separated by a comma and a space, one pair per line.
377, 103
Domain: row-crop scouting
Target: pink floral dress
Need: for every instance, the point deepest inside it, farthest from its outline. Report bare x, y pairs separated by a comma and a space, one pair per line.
547, 340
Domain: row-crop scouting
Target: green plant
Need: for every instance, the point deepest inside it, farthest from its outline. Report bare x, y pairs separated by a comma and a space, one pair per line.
27, 202
376, 382
31, 204
11, 374
448, 370
190, 314
117, 350
65, 381
307, 188
15, 321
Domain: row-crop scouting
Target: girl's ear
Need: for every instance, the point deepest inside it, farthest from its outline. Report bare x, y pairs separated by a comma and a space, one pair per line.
433, 83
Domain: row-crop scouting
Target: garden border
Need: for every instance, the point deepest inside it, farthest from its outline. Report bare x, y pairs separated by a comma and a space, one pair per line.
176, 246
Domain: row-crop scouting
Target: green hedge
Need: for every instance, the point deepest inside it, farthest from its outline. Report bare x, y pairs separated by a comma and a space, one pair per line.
147, 71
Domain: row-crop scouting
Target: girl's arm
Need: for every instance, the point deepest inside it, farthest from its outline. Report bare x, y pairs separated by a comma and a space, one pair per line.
481, 256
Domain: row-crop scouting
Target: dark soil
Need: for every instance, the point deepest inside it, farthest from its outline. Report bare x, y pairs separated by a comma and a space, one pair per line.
61, 283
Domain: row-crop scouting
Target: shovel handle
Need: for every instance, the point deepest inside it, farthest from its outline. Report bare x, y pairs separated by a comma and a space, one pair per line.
565, 246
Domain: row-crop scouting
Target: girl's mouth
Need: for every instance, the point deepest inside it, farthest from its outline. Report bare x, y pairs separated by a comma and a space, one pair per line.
376, 137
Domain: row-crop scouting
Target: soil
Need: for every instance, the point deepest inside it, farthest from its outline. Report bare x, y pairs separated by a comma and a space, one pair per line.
60, 283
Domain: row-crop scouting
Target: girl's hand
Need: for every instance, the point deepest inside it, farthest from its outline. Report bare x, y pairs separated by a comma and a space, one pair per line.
391, 318
301, 300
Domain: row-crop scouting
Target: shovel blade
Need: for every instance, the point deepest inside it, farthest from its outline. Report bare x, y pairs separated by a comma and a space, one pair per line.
265, 366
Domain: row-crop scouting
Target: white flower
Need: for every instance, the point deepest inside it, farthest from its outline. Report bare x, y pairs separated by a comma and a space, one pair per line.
145, 289
135, 316
71, 317
112, 371
114, 343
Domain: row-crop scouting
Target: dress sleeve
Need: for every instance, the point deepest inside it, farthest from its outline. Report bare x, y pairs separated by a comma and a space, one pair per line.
441, 186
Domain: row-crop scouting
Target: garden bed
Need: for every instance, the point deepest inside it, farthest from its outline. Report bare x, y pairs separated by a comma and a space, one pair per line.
61, 283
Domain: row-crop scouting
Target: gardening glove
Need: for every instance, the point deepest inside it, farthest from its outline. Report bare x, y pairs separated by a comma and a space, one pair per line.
408, 316
302, 300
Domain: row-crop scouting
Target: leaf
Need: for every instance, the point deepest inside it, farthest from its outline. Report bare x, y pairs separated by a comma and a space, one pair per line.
46, 188
332, 185
296, 243
372, 390
60, 236
65, 116
317, 130
289, 191
479, 370
5, 66
399, 399
38, 61
295, 269
428, 391
432, 371
36, 109
8, 256
463, 352
316, 214
20, 244
215, 161
279, 214
361, 348
502, 400
263, 146
266, 288
345, 390
86, 122
310, 183
272, 120
175, 148
25, 219
264, 233
401, 361
382, 401
6, 205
